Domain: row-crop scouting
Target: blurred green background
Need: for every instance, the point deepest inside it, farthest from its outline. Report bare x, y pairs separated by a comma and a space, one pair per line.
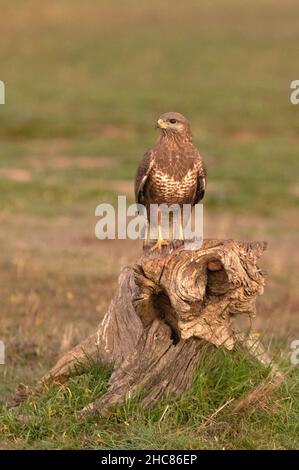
87, 80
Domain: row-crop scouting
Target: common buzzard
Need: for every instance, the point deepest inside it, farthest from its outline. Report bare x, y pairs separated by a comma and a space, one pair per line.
172, 172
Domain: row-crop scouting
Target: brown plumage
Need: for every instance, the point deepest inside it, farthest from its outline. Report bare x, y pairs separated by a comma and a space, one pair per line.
172, 172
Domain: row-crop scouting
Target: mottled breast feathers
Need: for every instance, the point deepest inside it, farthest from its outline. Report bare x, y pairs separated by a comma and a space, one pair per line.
170, 173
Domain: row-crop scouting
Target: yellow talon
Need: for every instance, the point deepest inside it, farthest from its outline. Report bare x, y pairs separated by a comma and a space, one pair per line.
159, 244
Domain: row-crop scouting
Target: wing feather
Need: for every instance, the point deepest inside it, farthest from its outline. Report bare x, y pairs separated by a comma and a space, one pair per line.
142, 174
201, 182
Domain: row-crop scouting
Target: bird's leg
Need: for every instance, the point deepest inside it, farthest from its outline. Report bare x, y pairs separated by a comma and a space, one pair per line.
146, 236
147, 232
181, 236
160, 242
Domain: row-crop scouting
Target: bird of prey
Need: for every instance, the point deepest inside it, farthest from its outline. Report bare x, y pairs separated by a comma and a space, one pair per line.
172, 171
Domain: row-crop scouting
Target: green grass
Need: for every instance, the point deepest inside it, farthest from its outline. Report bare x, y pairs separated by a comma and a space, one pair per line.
50, 422
92, 80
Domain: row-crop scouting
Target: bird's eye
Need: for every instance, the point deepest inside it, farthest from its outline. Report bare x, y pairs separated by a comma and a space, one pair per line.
172, 121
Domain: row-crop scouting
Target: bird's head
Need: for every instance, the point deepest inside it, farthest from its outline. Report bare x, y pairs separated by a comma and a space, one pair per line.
174, 125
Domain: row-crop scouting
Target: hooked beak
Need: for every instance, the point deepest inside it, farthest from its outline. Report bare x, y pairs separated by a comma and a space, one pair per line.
161, 124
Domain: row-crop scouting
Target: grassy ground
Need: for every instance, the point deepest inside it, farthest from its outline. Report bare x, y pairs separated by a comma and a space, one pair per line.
84, 86
201, 419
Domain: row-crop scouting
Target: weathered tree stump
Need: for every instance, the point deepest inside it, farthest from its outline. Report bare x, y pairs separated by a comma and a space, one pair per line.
167, 313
